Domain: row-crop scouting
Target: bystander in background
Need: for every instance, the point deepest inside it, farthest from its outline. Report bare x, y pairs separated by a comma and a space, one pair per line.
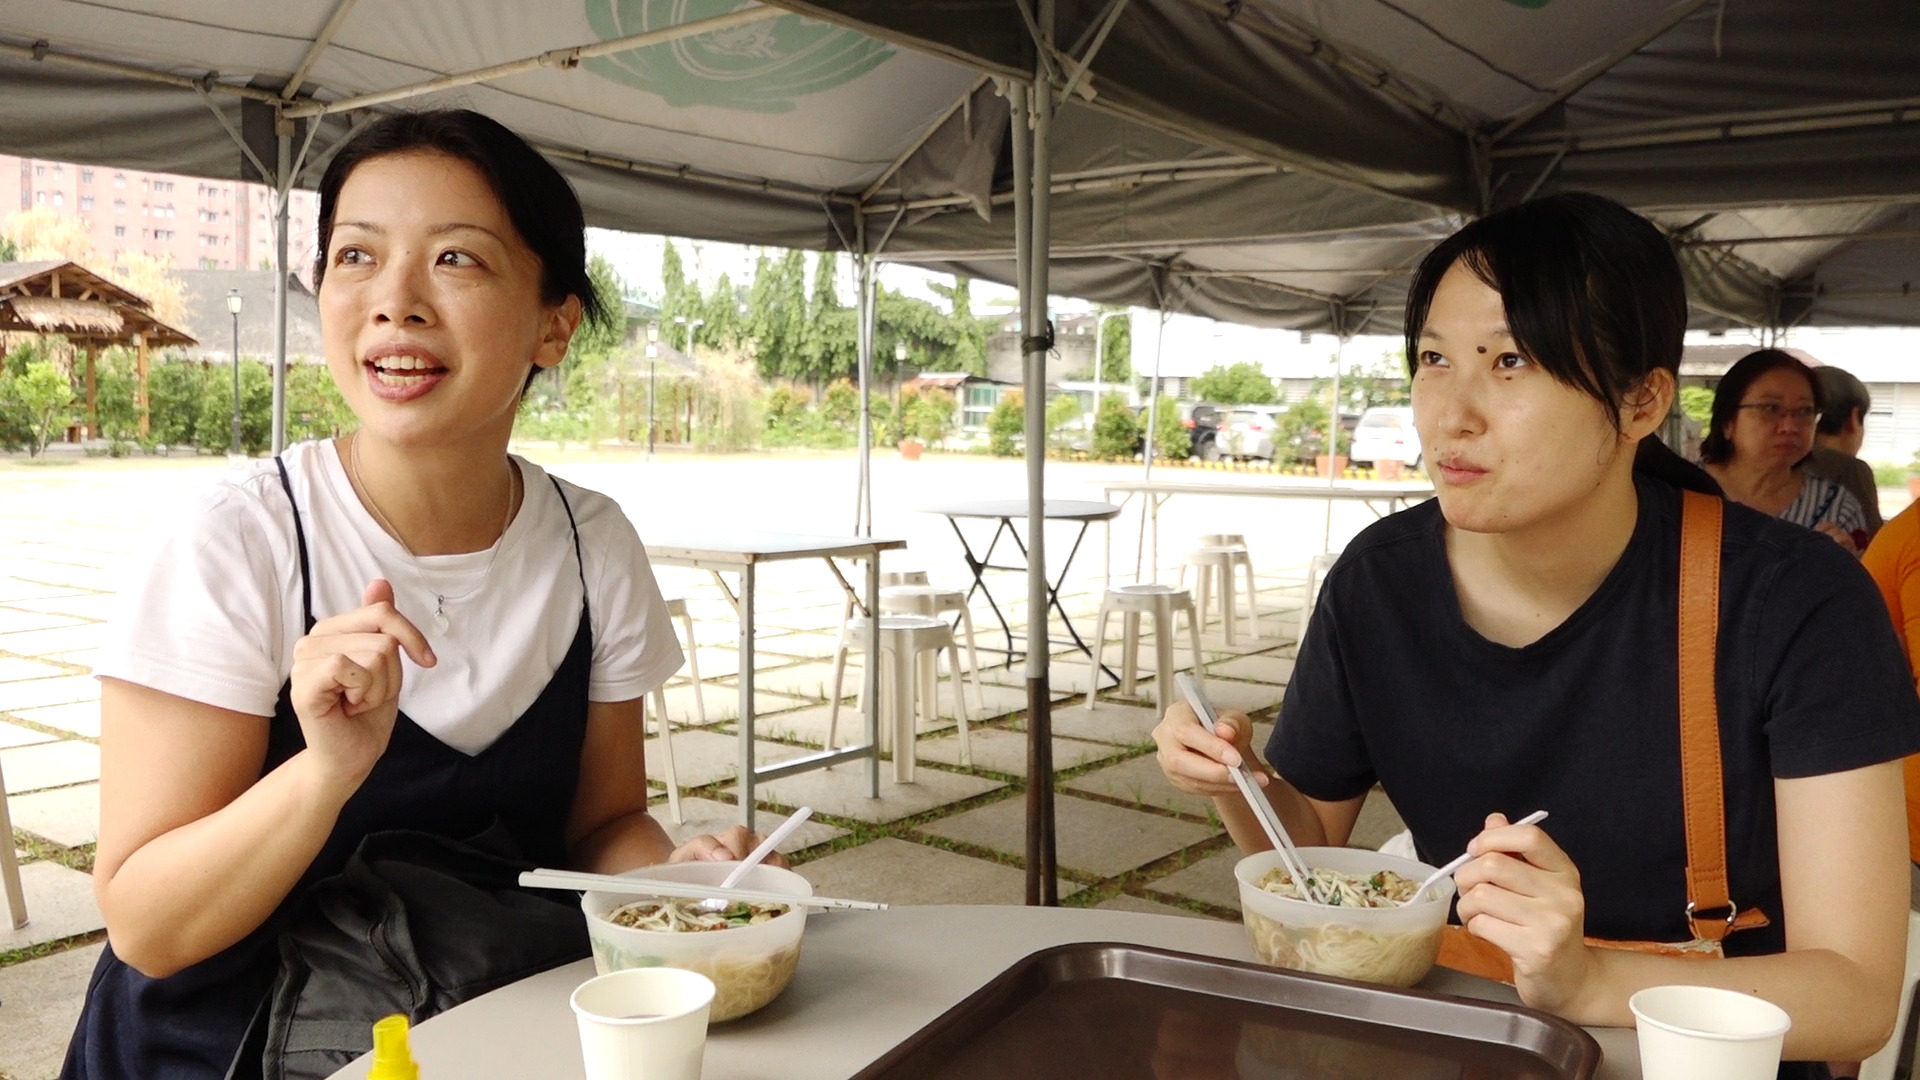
1837, 439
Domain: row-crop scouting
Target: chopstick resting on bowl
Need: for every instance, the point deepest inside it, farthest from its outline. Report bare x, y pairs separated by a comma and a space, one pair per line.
578, 881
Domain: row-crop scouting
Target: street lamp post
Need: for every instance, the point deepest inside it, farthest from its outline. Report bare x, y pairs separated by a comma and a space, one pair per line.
233, 307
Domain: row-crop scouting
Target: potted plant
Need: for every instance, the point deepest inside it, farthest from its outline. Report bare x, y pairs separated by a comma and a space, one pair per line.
1327, 465
910, 448
1389, 468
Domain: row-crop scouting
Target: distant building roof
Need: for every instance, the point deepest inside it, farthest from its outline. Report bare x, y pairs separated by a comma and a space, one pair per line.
208, 318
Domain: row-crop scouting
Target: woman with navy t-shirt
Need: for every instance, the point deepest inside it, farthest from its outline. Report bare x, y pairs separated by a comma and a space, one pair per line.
1514, 644
404, 631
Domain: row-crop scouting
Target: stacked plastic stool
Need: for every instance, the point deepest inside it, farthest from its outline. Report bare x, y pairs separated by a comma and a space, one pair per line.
1216, 557
1161, 602
904, 682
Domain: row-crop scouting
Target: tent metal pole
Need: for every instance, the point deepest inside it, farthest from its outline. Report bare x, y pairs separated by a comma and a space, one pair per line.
1039, 693
863, 495
282, 195
1333, 442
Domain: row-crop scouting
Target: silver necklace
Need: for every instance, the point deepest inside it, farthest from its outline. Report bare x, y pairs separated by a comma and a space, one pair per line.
440, 599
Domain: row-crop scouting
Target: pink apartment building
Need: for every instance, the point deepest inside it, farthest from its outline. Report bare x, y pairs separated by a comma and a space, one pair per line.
198, 224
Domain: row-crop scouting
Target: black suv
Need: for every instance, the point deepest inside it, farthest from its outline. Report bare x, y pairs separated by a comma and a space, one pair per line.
1203, 429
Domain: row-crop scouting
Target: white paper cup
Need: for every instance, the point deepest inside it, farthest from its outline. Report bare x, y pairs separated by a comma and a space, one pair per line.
643, 1023
1705, 1033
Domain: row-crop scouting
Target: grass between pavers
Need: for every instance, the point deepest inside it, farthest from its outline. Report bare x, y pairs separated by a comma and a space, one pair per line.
39, 850
47, 729
50, 948
66, 668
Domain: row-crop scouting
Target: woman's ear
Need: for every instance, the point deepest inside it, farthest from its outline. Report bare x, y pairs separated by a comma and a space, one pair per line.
1645, 408
559, 324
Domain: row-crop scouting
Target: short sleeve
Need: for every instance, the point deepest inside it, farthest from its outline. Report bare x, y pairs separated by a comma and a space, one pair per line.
205, 618
635, 648
1839, 694
1317, 745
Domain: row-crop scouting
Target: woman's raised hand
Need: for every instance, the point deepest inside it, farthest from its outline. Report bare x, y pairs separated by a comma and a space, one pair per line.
734, 844
1522, 893
1197, 760
346, 682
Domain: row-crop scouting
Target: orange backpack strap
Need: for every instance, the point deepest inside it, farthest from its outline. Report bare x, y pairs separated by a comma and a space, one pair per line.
1710, 908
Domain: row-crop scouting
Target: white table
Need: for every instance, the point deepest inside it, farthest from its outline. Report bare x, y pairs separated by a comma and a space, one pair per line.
742, 553
1381, 498
867, 981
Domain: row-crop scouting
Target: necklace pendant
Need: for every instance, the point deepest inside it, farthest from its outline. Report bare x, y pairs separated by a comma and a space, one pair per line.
440, 621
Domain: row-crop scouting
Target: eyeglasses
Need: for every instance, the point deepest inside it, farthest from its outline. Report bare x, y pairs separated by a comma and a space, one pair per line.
1773, 413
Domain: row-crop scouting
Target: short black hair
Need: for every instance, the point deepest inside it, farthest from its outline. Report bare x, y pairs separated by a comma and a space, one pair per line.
1845, 394
538, 200
1592, 290
1717, 447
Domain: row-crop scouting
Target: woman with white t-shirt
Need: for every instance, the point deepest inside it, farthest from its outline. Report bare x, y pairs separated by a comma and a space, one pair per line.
401, 632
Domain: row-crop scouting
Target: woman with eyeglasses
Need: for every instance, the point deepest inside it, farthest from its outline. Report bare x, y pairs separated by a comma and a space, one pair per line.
1760, 441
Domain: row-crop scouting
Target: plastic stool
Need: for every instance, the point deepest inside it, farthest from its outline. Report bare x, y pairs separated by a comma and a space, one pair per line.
677, 609
904, 638
923, 599
1219, 561
1132, 601
10, 865
1316, 575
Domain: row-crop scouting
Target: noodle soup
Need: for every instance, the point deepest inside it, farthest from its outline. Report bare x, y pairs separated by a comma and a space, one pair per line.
1367, 936
749, 951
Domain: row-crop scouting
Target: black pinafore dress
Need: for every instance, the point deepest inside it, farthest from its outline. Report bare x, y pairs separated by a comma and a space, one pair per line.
191, 1025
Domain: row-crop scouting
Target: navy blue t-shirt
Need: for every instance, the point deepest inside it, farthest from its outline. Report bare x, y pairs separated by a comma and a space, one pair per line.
1393, 685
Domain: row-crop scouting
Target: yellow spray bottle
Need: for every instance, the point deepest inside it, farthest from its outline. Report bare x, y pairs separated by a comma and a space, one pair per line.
392, 1057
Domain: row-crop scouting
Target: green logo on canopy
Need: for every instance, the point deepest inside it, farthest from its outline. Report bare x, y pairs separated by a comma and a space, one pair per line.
760, 67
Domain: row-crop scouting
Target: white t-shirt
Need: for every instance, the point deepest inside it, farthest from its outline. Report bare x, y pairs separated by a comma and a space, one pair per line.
215, 615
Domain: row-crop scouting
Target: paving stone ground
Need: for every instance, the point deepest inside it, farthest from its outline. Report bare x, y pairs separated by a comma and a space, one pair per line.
1126, 839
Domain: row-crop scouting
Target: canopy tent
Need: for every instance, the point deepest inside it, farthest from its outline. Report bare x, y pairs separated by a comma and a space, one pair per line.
1278, 162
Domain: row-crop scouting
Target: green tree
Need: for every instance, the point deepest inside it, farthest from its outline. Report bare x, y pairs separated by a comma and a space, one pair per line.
117, 399
315, 409
175, 391
1171, 440
1240, 384
1115, 432
777, 316
1697, 403
831, 345
1116, 348
1383, 382
9, 251
1063, 420
46, 394
598, 339
213, 430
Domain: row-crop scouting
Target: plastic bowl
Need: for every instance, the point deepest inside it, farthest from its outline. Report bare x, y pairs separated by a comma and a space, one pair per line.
1395, 946
749, 965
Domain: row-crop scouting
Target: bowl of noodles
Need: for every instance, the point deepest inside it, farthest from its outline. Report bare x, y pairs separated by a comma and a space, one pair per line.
1363, 932
750, 951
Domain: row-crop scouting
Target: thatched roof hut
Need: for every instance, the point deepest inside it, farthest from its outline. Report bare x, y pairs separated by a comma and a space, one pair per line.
89, 310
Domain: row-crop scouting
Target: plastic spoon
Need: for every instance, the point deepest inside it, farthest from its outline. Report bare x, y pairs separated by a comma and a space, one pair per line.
1534, 818
799, 818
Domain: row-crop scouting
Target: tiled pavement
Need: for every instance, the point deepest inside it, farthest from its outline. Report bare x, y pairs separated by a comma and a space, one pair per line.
1125, 838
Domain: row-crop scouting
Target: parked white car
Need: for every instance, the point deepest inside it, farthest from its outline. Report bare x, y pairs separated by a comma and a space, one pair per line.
1386, 433
1248, 431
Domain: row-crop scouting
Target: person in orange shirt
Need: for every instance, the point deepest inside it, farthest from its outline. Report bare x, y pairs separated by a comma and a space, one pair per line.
1894, 561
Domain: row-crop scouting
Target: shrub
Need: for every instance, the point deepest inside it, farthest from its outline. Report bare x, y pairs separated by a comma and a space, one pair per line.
1171, 440
1115, 433
1007, 424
